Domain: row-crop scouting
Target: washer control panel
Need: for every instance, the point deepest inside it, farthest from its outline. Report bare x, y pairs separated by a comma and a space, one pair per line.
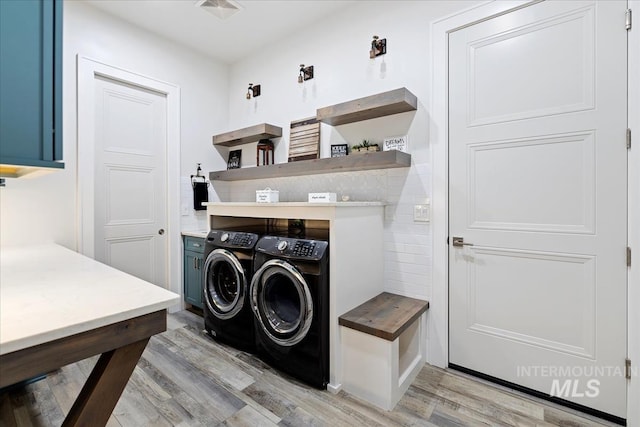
303, 248
232, 239
312, 250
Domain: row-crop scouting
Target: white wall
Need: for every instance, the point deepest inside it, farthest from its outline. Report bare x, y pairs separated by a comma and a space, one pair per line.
338, 48
44, 208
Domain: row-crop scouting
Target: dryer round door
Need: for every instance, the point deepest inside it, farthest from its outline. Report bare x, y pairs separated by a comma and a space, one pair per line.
281, 302
225, 284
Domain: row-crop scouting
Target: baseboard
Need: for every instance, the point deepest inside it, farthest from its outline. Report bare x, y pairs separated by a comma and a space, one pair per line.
335, 389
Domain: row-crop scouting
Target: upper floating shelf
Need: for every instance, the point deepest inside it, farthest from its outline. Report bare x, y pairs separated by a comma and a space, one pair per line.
250, 134
370, 107
354, 162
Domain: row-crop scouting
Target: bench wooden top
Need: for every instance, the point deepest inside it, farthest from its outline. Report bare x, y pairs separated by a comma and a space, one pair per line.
385, 316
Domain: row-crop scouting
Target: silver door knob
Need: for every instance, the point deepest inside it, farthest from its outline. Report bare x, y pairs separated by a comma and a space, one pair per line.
161, 231
459, 241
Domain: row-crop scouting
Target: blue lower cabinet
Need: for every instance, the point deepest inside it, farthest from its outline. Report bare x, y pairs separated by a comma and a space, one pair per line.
193, 270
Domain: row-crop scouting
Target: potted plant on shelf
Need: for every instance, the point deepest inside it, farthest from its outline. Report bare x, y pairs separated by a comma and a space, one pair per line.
365, 147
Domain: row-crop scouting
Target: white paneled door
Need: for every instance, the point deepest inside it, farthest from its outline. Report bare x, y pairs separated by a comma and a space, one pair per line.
130, 179
538, 192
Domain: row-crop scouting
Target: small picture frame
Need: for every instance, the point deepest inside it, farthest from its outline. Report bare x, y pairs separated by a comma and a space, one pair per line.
234, 159
339, 150
400, 143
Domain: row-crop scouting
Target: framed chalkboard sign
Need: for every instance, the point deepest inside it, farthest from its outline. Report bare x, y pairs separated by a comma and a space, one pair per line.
234, 159
339, 150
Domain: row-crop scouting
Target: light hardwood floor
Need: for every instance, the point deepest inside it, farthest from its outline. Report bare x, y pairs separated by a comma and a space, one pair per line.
186, 379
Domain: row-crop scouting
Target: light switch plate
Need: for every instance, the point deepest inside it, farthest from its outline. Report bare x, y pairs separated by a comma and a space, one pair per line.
422, 213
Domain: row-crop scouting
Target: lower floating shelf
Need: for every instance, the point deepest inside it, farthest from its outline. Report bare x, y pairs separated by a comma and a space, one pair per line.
368, 161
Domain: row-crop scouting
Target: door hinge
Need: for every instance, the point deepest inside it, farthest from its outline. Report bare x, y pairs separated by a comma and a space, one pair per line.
627, 19
627, 368
628, 256
628, 138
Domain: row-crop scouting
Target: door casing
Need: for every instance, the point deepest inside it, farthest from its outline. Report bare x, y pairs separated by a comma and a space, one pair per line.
87, 70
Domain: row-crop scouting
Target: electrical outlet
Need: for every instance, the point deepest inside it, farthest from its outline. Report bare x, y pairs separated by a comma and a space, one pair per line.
389, 213
421, 213
184, 210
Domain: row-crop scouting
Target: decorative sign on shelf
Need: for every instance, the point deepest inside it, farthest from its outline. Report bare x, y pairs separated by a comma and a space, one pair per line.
234, 159
339, 150
304, 140
400, 143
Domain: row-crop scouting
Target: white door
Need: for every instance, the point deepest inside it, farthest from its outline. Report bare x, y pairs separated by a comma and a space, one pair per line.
130, 179
537, 117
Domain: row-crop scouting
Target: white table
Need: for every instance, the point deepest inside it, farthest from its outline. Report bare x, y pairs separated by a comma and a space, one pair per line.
58, 307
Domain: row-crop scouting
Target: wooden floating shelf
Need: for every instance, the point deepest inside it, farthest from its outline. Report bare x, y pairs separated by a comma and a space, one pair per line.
246, 135
368, 161
370, 107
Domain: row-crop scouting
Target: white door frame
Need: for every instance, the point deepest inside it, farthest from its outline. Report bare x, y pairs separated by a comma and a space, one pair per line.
633, 294
438, 315
87, 70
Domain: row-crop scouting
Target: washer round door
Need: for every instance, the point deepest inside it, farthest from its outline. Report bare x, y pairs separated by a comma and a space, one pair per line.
225, 284
281, 302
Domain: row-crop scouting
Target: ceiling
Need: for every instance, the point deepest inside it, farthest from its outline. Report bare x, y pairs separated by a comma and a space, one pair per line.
256, 25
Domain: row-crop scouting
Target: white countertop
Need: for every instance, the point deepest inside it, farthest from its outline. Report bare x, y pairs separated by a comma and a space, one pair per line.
196, 233
295, 204
49, 292
297, 210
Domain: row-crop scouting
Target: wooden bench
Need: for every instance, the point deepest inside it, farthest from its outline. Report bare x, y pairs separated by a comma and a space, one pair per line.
383, 347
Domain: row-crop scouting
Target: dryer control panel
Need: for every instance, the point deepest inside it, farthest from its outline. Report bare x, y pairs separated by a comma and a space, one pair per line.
232, 239
313, 250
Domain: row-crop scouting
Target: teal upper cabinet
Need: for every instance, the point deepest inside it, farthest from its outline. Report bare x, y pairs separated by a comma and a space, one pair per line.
30, 85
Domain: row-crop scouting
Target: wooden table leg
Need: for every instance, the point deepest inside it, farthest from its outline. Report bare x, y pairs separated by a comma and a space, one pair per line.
103, 388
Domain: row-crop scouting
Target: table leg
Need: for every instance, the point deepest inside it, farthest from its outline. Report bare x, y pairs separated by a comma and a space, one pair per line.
103, 388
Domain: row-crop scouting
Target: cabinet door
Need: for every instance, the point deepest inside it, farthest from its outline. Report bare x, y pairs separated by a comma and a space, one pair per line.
31, 82
193, 264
